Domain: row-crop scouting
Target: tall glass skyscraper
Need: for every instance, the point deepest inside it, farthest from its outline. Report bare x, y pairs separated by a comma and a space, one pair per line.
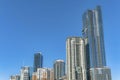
76, 59
93, 33
38, 61
59, 69
93, 30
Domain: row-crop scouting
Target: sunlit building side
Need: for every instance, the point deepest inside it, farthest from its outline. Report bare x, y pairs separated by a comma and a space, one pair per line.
76, 58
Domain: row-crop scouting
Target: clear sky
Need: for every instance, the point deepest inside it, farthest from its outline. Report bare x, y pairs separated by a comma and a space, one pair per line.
30, 26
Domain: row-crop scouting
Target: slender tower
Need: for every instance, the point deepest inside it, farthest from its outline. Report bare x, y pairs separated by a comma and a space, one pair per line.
76, 59
93, 33
38, 61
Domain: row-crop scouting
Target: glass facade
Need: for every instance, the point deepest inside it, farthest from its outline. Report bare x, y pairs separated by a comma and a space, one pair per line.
103, 73
38, 61
59, 69
94, 42
93, 31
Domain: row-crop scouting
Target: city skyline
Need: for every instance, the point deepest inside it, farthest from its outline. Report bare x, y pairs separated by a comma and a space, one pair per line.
26, 29
85, 56
35, 73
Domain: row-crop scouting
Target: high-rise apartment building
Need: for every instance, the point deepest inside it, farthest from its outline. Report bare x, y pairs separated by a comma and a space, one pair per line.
93, 31
38, 61
15, 77
59, 69
25, 73
43, 74
94, 40
76, 58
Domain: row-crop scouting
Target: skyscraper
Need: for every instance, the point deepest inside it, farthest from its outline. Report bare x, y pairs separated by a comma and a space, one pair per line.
25, 73
93, 33
38, 61
59, 69
76, 58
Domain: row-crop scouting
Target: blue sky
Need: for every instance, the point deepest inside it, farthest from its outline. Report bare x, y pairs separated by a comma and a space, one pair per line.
30, 26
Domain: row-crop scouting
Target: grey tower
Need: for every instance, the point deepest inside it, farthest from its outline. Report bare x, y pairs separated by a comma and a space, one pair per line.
59, 69
93, 30
93, 33
38, 61
76, 59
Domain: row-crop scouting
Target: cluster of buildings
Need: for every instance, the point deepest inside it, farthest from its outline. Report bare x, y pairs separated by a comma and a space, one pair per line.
85, 56
38, 72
